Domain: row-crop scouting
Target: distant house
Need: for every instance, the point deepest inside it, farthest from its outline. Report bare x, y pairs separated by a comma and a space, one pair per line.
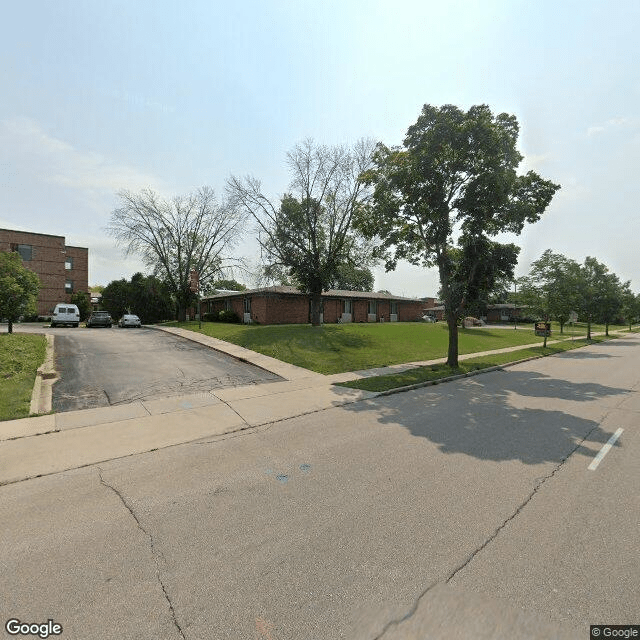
287, 305
62, 269
507, 312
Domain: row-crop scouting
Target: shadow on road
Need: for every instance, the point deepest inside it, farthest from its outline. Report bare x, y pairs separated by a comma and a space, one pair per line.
484, 416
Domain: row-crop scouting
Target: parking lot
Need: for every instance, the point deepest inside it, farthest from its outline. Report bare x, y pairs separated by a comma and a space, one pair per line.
108, 366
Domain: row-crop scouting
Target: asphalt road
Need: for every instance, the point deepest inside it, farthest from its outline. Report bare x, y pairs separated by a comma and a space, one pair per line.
101, 367
441, 507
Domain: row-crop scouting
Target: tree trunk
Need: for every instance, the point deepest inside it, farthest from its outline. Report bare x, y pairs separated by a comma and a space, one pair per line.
316, 308
606, 329
10, 327
589, 329
452, 355
561, 326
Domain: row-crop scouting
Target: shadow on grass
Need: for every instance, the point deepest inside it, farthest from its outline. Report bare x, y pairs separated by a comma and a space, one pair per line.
504, 415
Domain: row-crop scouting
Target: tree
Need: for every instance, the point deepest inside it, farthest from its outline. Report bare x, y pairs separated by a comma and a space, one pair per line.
552, 287
630, 305
177, 236
440, 198
19, 288
351, 278
601, 293
309, 233
146, 296
228, 285
82, 301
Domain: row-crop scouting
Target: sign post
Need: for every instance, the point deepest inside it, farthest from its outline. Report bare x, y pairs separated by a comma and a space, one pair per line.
573, 318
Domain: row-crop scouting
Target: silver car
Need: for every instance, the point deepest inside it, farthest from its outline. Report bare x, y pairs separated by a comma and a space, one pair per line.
129, 320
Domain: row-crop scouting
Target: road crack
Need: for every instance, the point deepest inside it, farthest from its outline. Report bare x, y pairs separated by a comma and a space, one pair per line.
540, 482
154, 552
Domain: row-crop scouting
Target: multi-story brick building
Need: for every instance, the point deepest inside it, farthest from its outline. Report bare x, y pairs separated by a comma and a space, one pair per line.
63, 270
287, 305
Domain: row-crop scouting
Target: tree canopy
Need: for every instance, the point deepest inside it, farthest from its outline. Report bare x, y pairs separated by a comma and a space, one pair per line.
551, 289
351, 278
440, 198
175, 237
308, 234
146, 296
19, 288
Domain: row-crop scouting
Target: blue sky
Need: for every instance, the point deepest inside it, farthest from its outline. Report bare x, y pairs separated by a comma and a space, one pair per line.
100, 96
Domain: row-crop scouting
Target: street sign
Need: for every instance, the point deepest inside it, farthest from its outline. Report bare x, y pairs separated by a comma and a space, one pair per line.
543, 329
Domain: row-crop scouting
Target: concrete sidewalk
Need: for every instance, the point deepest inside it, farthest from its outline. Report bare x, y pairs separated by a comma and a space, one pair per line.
31, 447
42, 445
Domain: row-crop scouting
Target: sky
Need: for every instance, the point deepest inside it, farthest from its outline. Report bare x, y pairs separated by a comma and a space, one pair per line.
102, 96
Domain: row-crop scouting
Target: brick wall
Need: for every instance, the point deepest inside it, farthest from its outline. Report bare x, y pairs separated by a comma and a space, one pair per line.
79, 272
283, 309
48, 254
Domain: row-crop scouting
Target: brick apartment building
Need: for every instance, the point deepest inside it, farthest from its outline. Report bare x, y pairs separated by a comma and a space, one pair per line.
287, 305
62, 269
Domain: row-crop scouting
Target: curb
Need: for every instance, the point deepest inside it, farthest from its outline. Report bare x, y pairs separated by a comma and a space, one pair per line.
46, 376
430, 383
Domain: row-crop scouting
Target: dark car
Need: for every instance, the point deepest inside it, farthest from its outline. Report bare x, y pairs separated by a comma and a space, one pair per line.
99, 319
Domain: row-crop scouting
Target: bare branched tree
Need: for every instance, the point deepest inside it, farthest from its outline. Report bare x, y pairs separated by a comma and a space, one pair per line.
176, 236
309, 233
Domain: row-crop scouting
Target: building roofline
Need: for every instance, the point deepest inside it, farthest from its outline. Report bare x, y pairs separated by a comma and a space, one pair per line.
34, 233
331, 293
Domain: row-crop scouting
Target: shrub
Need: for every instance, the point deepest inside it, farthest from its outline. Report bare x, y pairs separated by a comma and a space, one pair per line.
210, 317
228, 316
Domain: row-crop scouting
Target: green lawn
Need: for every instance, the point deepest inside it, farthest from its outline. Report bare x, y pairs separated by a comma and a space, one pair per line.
20, 356
350, 347
440, 371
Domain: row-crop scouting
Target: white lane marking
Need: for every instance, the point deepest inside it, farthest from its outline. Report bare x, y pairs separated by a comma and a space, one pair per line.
605, 449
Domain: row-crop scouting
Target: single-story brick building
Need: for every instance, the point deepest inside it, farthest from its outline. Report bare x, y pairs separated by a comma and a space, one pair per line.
287, 305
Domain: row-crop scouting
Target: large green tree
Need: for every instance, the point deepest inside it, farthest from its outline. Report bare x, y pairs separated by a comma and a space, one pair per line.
440, 199
308, 234
146, 296
175, 237
597, 292
19, 288
352, 278
551, 289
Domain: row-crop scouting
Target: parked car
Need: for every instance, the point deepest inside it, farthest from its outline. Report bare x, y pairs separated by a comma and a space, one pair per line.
129, 320
65, 314
428, 318
99, 319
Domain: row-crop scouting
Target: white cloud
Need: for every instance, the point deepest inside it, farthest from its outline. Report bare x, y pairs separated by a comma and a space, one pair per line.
609, 124
52, 160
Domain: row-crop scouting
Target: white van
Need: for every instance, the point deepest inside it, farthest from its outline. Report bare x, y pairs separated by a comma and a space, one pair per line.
65, 314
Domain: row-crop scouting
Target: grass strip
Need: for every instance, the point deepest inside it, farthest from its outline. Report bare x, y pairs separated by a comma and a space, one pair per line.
352, 347
20, 356
439, 371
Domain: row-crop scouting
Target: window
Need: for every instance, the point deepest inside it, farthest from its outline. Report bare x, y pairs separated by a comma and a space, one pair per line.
68, 263
373, 307
68, 286
247, 305
348, 306
394, 308
25, 251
